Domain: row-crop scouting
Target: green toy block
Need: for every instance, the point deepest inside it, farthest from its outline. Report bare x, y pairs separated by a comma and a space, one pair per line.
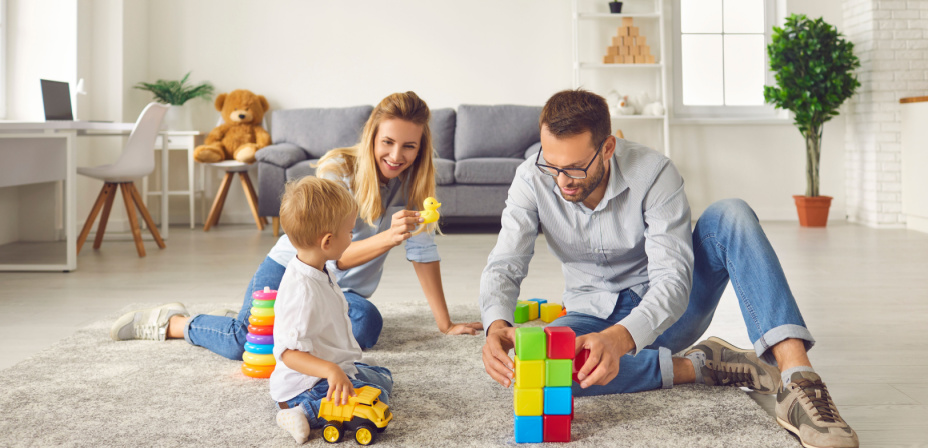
531, 374
522, 313
558, 372
531, 343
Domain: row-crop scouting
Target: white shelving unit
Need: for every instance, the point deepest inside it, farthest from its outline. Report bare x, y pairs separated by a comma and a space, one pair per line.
585, 67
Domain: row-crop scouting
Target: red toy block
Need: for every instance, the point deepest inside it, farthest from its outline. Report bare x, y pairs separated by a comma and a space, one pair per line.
557, 428
560, 342
579, 361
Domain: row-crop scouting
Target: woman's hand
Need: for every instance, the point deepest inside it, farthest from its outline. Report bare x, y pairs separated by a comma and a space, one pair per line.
340, 387
466, 328
401, 226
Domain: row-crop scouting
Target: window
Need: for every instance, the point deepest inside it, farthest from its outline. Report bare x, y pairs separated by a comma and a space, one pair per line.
720, 65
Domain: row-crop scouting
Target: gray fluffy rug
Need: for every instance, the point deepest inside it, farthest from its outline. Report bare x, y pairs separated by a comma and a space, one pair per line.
87, 390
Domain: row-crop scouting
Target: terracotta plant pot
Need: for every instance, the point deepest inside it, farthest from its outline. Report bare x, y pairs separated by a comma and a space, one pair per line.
813, 211
615, 7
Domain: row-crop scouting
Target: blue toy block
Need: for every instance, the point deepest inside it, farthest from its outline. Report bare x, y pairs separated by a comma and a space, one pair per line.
540, 301
529, 429
557, 401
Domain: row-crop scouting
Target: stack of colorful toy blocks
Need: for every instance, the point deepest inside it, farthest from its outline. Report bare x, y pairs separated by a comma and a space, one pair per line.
628, 47
536, 308
542, 397
259, 350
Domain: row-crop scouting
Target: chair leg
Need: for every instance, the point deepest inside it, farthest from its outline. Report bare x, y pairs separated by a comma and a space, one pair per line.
216, 209
252, 198
101, 198
147, 217
101, 228
276, 221
133, 220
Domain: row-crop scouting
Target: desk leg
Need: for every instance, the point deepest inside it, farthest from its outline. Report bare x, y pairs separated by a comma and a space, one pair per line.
164, 185
191, 166
70, 193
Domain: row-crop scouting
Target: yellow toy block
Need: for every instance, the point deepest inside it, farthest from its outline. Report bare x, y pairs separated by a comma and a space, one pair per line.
549, 311
530, 374
528, 401
532, 309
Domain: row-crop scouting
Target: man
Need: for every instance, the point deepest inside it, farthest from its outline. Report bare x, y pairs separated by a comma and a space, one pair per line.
640, 284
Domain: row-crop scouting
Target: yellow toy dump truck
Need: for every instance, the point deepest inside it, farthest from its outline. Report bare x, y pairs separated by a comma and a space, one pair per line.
364, 414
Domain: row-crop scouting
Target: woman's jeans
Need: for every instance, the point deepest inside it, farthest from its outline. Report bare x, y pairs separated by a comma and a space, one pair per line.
378, 377
728, 244
226, 335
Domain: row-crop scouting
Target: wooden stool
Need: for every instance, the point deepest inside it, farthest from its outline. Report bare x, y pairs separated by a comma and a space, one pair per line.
231, 167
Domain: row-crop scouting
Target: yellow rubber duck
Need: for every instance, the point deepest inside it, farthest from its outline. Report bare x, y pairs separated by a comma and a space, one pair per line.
430, 212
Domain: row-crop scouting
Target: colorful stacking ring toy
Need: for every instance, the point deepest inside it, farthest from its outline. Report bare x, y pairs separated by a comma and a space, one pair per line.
258, 358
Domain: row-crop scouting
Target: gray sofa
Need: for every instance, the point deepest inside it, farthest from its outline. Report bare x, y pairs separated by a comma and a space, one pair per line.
478, 149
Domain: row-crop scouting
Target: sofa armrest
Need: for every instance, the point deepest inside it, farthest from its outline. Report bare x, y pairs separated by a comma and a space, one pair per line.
530, 152
283, 155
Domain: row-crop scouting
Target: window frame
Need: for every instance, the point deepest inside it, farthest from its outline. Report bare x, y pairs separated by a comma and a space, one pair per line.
4, 26
773, 16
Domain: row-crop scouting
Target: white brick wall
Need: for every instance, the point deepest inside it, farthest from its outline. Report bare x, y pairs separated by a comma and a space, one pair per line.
891, 39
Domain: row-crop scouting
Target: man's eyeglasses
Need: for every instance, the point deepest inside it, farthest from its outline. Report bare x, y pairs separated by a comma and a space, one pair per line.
573, 173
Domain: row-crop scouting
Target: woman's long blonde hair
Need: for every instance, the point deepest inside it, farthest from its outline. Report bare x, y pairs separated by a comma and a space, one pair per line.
358, 161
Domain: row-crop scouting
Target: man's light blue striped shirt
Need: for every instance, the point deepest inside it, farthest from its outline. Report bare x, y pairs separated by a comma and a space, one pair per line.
639, 237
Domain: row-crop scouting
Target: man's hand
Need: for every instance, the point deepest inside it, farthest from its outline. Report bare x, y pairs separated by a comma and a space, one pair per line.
401, 226
340, 387
500, 339
470, 328
606, 347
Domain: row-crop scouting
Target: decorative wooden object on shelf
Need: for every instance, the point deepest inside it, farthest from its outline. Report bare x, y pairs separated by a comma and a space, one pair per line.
628, 47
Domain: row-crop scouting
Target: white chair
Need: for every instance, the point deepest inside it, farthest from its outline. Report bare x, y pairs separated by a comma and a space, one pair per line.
136, 160
231, 167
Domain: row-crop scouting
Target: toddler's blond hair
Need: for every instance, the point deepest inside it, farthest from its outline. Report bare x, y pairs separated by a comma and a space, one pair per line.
312, 207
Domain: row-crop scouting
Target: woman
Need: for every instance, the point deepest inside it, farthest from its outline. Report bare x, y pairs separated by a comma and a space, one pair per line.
389, 172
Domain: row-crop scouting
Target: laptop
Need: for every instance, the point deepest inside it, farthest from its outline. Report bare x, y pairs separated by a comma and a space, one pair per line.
56, 96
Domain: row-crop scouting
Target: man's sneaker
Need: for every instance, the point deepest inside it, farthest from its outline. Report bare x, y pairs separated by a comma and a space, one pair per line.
149, 324
727, 365
224, 312
806, 409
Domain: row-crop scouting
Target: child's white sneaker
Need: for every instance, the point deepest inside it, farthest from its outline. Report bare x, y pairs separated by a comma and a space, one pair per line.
294, 421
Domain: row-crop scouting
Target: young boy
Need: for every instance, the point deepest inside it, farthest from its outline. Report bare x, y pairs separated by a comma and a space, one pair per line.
316, 352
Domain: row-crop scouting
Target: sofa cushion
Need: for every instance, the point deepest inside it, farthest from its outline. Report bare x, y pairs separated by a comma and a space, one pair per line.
282, 155
444, 171
486, 171
442, 127
301, 170
318, 130
495, 131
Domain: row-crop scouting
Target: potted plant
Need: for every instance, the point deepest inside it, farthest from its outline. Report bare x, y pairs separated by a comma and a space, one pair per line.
615, 7
814, 72
176, 93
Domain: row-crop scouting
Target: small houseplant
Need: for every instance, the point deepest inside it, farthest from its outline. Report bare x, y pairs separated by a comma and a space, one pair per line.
176, 93
814, 69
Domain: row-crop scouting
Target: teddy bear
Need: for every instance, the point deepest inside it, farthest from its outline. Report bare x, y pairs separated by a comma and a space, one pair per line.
240, 135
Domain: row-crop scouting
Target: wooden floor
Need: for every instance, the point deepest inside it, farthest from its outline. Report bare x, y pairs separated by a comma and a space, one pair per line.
863, 293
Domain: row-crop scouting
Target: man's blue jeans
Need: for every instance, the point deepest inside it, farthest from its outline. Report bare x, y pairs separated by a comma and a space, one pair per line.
728, 244
378, 377
226, 336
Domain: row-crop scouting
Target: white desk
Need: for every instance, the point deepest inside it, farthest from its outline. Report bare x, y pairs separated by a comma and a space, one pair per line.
39, 152
176, 140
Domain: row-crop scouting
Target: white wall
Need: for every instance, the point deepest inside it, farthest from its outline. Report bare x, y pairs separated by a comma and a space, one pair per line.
321, 54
